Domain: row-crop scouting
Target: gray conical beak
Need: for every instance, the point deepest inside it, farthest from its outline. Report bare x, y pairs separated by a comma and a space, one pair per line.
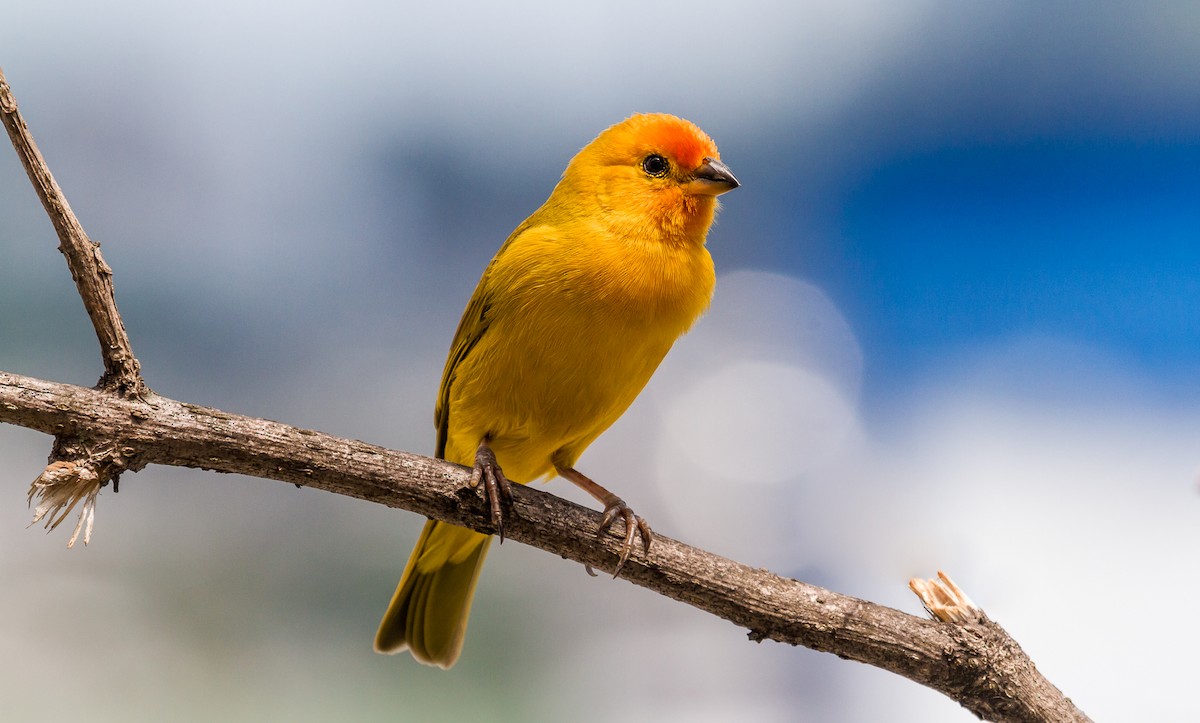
712, 178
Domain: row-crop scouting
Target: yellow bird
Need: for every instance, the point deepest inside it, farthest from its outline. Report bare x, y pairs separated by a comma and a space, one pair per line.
564, 329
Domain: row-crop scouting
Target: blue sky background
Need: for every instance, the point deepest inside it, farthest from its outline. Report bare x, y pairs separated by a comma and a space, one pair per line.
955, 328
1092, 239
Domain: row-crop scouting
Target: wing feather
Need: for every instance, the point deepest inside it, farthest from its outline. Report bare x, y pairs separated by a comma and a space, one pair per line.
474, 323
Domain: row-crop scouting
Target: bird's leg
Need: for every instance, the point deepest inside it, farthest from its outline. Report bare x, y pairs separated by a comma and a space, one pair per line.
614, 507
496, 487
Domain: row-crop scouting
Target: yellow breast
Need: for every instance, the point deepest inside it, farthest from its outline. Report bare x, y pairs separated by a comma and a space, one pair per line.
576, 329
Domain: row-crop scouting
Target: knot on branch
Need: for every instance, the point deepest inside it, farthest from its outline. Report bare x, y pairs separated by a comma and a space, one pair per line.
74, 476
124, 379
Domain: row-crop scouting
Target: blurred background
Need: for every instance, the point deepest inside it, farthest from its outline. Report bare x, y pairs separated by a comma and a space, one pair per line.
956, 327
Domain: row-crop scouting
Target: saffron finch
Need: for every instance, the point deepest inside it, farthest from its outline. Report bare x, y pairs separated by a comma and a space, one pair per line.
565, 327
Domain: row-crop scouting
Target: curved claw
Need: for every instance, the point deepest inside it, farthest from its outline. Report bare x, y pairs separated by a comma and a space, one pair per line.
633, 525
496, 487
613, 507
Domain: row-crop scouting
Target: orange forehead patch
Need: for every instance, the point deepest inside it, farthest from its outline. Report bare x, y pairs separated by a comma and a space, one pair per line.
679, 139
676, 138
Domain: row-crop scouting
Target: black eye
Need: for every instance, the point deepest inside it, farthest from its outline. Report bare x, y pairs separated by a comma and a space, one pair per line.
655, 165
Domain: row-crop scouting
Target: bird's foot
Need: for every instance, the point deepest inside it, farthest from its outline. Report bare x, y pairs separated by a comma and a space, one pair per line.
614, 509
617, 509
497, 490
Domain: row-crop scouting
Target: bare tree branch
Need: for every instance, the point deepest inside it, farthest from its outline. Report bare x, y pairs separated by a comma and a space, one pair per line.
93, 277
975, 663
123, 426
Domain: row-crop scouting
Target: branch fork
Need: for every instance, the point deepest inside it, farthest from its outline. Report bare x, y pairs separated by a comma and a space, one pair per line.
74, 475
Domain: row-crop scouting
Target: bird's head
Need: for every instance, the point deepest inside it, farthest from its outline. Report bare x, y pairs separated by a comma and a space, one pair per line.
651, 174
